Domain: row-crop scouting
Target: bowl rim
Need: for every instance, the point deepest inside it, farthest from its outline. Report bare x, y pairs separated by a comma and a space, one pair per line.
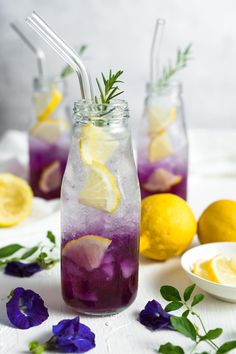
207, 245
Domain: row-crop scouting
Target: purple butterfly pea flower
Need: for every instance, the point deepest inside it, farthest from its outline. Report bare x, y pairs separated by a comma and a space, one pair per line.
26, 309
154, 316
71, 336
22, 270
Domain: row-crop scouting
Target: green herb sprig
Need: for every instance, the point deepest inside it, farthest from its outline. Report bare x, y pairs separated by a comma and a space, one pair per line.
169, 71
197, 332
42, 253
67, 70
111, 90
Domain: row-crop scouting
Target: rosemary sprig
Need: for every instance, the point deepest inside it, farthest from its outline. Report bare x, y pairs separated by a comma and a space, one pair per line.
67, 70
169, 71
111, 90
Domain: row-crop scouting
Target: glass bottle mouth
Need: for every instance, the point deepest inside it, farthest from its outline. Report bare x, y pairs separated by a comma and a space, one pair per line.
171, 88
98, 113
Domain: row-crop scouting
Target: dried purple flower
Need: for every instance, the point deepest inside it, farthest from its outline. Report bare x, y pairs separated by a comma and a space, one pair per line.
26, 308
154, 316
22, 270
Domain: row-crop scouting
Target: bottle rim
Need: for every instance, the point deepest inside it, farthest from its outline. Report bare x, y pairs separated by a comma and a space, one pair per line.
89, 111
173, 86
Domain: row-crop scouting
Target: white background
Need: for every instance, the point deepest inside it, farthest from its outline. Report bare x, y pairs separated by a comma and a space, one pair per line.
119, 36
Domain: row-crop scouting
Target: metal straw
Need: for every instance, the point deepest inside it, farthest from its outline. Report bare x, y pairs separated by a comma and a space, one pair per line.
66, 52
155, 50
36, 50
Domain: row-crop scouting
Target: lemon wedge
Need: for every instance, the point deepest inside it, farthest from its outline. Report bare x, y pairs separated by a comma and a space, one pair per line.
15, 199
49, 130
160, 118
200, 268
87, 251
159, 148
161, 180
56, 97
100, 190
96, 144
221, 271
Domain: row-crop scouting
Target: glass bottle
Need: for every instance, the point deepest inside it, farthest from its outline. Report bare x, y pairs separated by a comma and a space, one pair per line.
100, 212
49, 138
163, 144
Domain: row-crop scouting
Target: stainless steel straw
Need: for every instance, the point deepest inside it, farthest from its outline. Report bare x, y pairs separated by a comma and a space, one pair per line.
35, 49
66, 52
155, 50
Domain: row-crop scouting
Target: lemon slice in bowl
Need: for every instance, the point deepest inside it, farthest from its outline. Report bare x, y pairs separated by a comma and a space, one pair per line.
87, 251
15, 199
159, 147
160, 118
221, 271
56, 97
96, 144
200, 268
49, 130
100, 190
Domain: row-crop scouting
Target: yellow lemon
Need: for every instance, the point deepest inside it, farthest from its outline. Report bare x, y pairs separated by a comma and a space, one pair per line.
160, 118
221, 271
96, 144
49, 130
159, 147
15, 199
200, 268
218, 222
167, 226
100, 190
56, 97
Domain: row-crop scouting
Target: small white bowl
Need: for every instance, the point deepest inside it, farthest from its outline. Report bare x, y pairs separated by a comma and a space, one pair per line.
207, 251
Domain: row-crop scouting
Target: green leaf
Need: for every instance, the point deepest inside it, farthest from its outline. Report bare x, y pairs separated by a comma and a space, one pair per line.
169, 348
9, 250
226, 347
185, 313
197, 298
170, 293
174, 305
110, 87
51, 237
212, 334
184, 326
188, 292
30, 252
82, 49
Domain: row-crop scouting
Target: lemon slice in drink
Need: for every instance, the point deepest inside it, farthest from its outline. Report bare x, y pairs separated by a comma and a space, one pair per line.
161, 180
221, 271
100, 190
159, 148
87, 251
56, 97
160, 118
200, 268
96, 144
15, 199
49, 130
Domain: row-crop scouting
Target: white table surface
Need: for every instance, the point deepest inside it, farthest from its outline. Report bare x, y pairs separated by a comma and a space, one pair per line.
122, 333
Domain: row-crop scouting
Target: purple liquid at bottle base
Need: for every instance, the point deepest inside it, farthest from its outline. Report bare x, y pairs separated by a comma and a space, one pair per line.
47, 164
173, 165
109, 288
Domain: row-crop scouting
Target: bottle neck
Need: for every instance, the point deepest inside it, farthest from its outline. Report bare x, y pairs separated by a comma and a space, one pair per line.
174, 89
115, 113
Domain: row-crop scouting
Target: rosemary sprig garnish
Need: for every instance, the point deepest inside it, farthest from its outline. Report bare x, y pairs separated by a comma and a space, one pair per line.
111, 90
67, 70
169, 71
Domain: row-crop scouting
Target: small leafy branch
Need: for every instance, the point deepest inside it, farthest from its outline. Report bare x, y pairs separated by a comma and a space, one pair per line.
40, 253
67, 70
111, 90
182, 324
169, 71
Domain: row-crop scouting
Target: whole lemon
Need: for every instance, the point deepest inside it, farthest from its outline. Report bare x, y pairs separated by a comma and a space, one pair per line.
167, 226
218, 222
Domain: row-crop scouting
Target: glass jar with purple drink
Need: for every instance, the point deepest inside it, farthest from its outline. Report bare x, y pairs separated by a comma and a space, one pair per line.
163, 145
49, 139
100, 211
